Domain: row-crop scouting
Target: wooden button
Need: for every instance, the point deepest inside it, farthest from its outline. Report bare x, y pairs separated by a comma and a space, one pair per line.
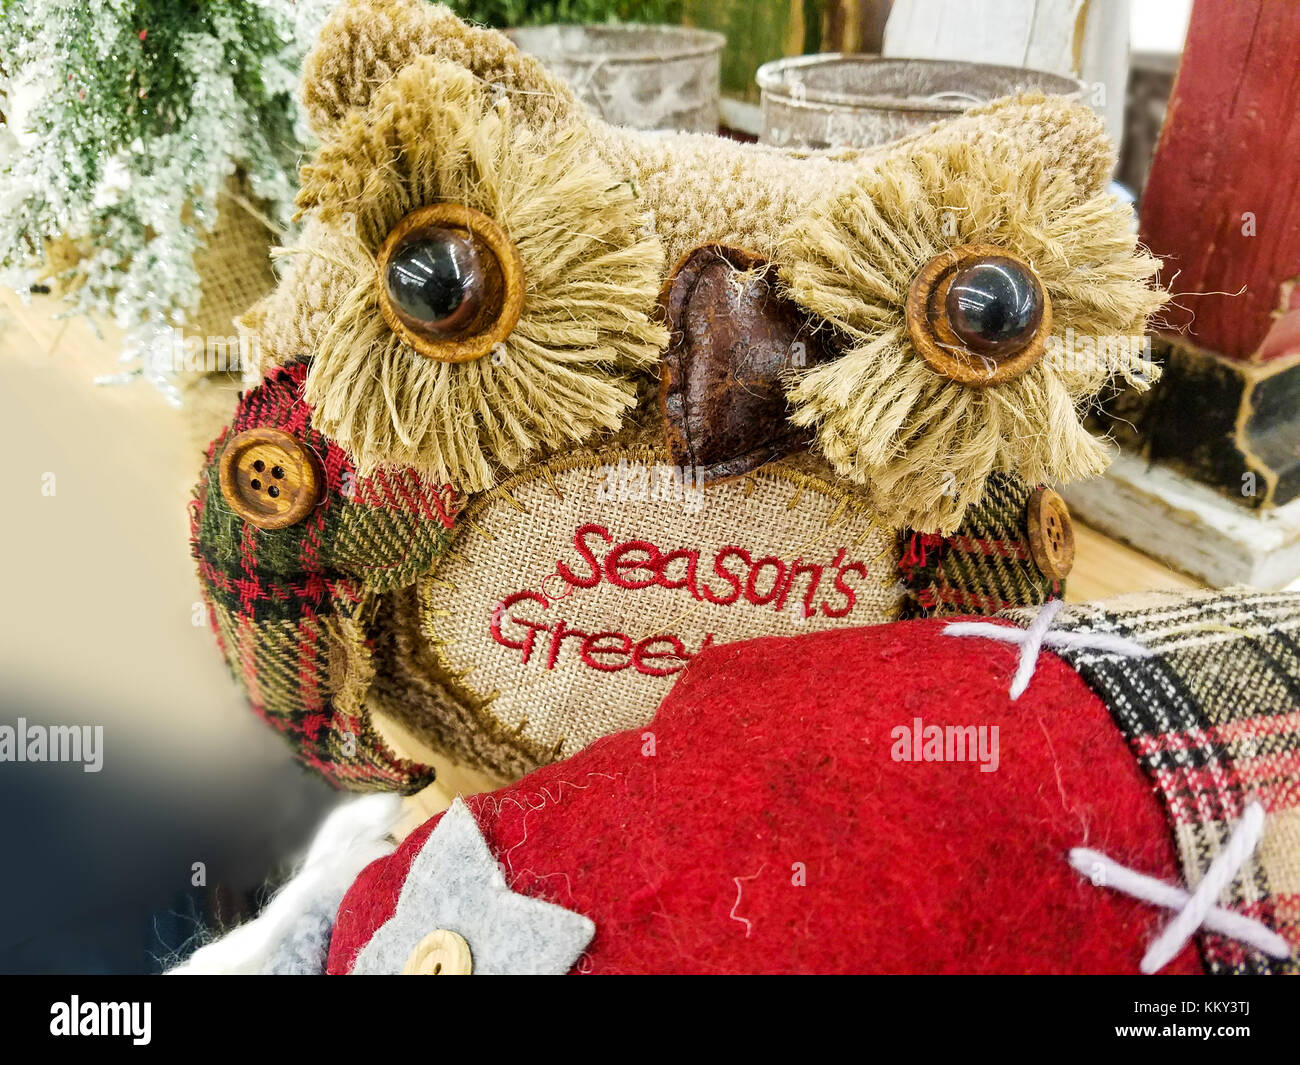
440, 953
948, 346
270, 479
1051, 534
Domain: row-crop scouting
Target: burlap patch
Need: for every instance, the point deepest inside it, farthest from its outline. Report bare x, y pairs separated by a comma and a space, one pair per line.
234, 262
566, 605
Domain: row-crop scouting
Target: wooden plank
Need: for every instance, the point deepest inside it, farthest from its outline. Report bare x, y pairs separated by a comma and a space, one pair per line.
1188, 525
1222, 203
1105, 568
1076, 38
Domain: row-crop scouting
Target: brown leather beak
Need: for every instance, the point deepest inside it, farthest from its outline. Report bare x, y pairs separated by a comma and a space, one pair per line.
733, 336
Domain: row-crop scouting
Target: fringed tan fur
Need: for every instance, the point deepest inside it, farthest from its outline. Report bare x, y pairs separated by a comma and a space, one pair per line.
363, 43
592, 268
883, 417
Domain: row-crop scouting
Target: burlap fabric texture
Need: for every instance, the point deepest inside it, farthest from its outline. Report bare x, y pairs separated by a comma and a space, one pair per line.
573, 595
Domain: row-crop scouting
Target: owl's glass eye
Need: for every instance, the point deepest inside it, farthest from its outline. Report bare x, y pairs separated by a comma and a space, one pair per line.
437, 281
994, 304
450, 283
978, 315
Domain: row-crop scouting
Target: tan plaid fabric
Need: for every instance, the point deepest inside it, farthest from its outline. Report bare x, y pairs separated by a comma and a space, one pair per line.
1214, 718
982, 568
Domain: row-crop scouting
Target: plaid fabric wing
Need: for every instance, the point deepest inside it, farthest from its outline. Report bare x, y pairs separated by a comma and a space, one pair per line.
1214, 718
290, 607
984, 567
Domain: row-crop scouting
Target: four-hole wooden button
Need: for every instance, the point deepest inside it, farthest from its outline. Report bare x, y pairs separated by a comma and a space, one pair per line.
269, 478
440, 953
1051, 534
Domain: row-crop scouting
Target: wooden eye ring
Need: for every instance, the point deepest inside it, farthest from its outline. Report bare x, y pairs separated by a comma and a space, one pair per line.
934, 339
502, 298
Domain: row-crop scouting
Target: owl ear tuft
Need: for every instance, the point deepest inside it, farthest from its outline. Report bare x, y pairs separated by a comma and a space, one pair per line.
1067, 136
364, 43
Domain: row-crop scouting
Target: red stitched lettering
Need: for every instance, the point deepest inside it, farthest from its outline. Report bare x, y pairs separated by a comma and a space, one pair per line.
688, 581
850, 597
559, 634
815, 576
727, 575
617, 563
751, 585
643, 652
638, 564
591, 647
595, 650
532, 626
580, 542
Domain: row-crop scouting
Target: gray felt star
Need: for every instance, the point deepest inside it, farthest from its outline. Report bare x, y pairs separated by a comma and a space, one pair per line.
456, 884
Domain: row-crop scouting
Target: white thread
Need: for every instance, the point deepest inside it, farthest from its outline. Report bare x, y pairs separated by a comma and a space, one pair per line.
1040, 634
1105, 872
1222, 871
1033, 644
1197, 909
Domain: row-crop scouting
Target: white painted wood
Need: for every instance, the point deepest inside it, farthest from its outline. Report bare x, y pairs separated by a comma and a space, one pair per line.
741, 116
1086, 39
1190, 526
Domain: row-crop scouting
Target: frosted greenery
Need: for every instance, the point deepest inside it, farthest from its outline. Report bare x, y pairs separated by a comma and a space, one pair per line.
123, 120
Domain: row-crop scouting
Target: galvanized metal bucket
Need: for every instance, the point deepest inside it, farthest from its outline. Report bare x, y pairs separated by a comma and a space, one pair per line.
836, 100
646, 77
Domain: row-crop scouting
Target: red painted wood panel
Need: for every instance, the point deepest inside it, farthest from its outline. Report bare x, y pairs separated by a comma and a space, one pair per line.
1230, 151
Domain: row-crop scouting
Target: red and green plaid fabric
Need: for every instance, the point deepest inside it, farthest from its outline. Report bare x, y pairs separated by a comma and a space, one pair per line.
984, 567
1213, 716
291, 607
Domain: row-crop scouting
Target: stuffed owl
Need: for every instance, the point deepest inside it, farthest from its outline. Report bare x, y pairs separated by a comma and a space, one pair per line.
542, 408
